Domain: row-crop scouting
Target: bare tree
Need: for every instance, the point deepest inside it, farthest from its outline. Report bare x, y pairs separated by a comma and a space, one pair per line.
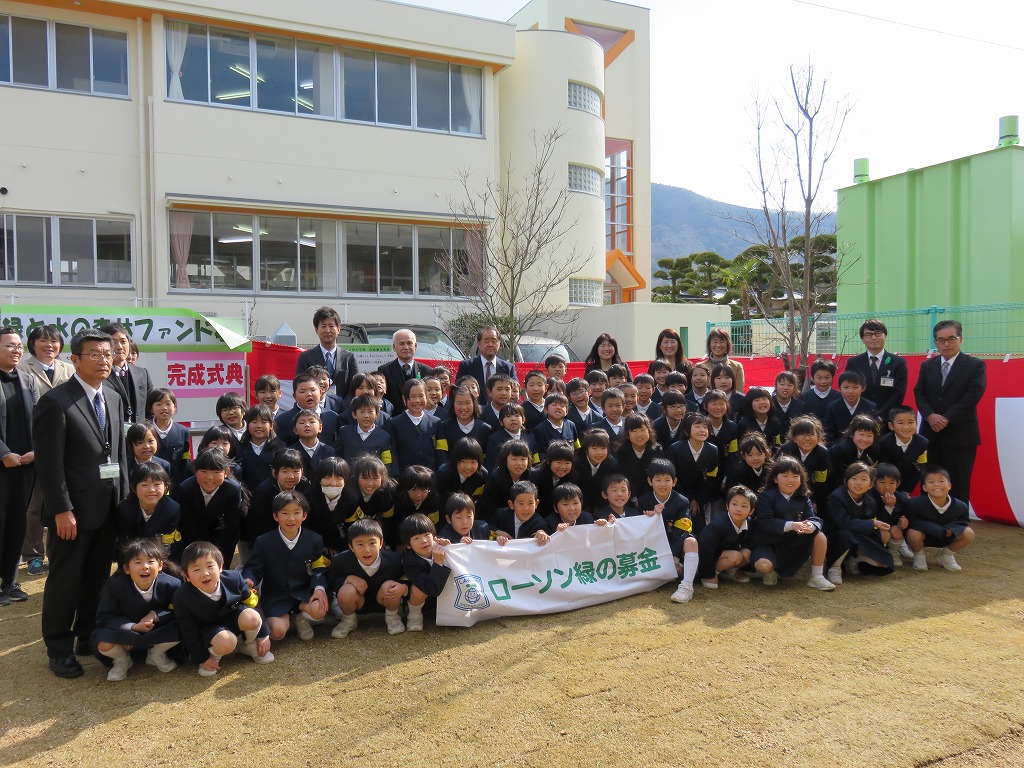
810, 123
517, 249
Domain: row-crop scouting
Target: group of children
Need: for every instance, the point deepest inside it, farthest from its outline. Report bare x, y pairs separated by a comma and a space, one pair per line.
336, 508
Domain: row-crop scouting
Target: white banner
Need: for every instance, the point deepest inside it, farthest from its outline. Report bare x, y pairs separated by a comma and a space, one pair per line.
584, 565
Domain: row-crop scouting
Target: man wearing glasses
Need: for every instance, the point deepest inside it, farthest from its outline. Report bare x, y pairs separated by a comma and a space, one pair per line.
79, 451
948, 390
884, 372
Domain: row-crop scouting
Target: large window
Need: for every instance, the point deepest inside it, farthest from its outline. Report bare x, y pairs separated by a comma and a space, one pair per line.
224, 251
65, 250
63, 57
618, 195
229, 68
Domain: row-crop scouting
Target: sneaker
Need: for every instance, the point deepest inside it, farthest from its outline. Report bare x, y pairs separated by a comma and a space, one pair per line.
119, 671
709, 583
905, 551
820, 582
835, 575
347, 624
16, 593
894, 550
302, 627
683, 593
204, 672
414, 622
948, 561
771, 579
250, 650
394, 623
737, 575
36, 567
920, 561
160, 660
5, 599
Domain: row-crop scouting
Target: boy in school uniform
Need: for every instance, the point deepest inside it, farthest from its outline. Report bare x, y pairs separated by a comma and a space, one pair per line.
286, 474
696, 463
903, 447
424, 567
308, 428
214, 607
785, 404
412, 431
365, 437
462, 526
499, 393
367, 579
936, 519
816, 399
666, 426
555, 426
645, 403
288, 567
306, 391
567, 503
724, 544
598, 381
674, 509
520, 520
891, 504
613, 404
581, 414
616, 492
838, 414
555, 367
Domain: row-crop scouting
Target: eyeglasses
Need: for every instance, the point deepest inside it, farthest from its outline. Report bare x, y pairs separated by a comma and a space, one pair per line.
947, 339
97, 356
873, 334
12, 347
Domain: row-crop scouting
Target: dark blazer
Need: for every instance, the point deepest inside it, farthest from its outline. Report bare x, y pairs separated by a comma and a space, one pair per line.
582, 423
815, 406
715, 538
475, 367
675, 516
133, 388
217, 522
396, 378
890, 366
448, 432
344, 369
497, 440
695, 479
426, 575
591, 482
176, 450
284, 426
121, 603
796, 408
71, 445
310, 463
29, 398
196, 612
260, 519
285, 576
909, 462
256, 467
163, 525
957, 400
62, 371
838, 416
411, 443
924, 517
504, 520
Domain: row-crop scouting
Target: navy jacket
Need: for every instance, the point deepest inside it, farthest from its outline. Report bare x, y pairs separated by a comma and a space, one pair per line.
196, 613
285, 576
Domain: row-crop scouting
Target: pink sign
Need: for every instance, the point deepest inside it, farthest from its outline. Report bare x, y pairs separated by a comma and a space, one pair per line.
205, 374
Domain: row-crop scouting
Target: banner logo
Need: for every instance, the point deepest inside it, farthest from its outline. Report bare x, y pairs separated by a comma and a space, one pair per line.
471, 595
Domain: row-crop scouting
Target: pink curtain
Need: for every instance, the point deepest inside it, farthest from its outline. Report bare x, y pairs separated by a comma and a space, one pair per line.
180, 224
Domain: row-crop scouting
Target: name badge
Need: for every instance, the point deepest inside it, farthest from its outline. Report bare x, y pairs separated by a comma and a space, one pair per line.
110, 471
887, 381
125, 427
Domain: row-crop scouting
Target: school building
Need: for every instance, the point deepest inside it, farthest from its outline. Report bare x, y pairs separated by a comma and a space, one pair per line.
256, 158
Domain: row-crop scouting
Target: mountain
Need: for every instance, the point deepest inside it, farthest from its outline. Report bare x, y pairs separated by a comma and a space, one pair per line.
683, 222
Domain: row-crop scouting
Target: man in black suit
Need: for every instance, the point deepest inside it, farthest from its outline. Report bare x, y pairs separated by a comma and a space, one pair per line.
948, 390
487, 363
79, 439
132, 382
18, 396
340, 363
402, 368
884, 372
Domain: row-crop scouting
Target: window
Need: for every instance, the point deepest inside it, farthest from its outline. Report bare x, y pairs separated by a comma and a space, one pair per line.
232, 251
225, 67
396, 267
65, 250
582, 178
618, 194
585, 98
84, 60
588, 293
361, 257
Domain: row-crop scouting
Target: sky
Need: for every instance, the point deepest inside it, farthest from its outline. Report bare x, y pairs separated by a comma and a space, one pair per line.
926, 82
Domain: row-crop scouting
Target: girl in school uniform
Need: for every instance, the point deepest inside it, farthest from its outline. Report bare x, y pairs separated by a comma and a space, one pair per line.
536, 387
806, 444
142, 443
513, 466
257, 448
556, 470
723, 433
148, 512
416, 494
375, 497
327, 509
463, 421
756, 414
637, 452
217, 436
853, 527
593, 463
134, 613
786, 530
859, 443
212, 505
753, 465
172, 439
464, 472
723, 378
511, 418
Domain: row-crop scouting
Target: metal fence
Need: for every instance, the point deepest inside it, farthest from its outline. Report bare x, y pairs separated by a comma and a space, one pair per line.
990, 330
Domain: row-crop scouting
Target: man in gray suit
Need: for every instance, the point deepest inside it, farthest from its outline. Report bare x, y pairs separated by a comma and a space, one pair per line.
18, 396
80, 440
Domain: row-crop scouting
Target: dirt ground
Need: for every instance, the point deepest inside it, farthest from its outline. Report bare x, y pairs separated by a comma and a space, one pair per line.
908, 670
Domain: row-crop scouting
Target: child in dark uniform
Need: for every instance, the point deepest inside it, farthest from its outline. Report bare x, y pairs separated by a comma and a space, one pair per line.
134, 612
674, 509
891, 504
936, 519
853, 527
567, 501
519, 520
375, 492
367, 579
416, 494
424, 567
462, 526
148, 512
724, 544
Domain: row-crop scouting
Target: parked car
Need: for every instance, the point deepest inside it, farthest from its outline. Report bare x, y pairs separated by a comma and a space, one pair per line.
534, 349
432, 343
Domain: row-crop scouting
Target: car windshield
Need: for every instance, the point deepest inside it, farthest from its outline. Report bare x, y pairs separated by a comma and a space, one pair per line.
431, 345
536, 353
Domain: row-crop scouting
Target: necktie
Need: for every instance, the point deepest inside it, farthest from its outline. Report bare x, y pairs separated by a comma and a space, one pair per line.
49, 374
101, 413
874, 369
406, 369
329, 360
488, 371
945, 370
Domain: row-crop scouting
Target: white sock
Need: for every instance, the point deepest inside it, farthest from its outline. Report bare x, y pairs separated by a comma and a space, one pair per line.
389, 612
214, 654
817, 570
250, 635
163, 647
116, 652
415, 610
690, 562
308, 617
946, 551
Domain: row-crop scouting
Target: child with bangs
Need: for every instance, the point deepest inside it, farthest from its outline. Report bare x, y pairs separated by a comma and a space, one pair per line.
752, 465
666, 427
142, 443
593, 463
536, 386
285, 475
786, 529
581, 414
257, 448
696, 463
416, 495
329, 503
308, 427
639, 448
859, 443
567, 503
148, 512
511, 418
891, 504
806, 444
173, 444
723, 433
464, 471
674, 510
461, 525
463, 421
513, 467
212, 503
367, 578
645, 403
853, 527
723, 378
556, 470
724, 544
424, 568
755, 415
375, 499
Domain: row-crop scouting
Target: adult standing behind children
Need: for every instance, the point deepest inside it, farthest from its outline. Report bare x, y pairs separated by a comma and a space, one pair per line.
884, 372
403, 368
487, 363
670, 349
44, 345
132, 382
79, 438
948, 390
719, 349
604, 354
340, 363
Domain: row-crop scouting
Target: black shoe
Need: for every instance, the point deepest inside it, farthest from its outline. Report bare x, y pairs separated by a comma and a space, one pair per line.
16, 593
82, 647
5, 599
66, 667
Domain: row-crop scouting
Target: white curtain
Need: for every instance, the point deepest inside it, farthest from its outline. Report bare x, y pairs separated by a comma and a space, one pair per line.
472, 88
177, 39
180, 224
